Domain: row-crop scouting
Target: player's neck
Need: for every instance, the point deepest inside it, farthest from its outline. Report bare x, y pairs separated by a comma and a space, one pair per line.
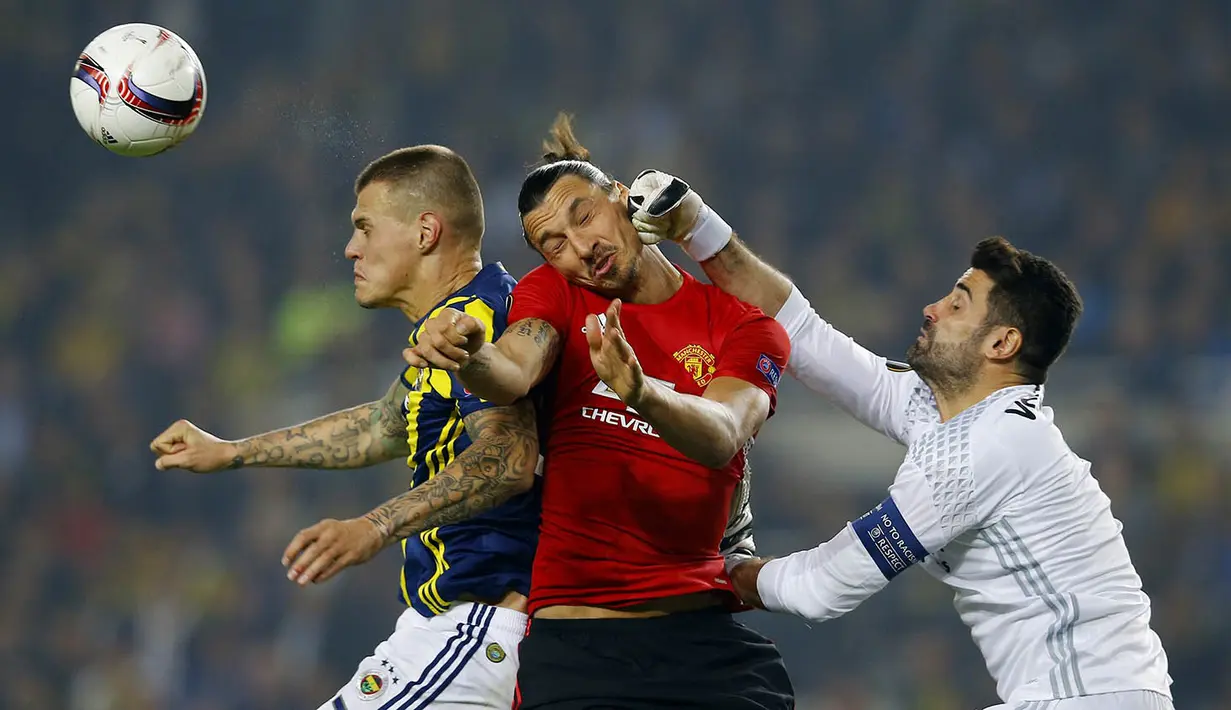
657, 279
952, 403
433, 283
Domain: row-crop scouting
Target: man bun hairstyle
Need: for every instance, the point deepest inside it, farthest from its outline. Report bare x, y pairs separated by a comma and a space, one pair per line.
1034, 296
563, 155
562, 144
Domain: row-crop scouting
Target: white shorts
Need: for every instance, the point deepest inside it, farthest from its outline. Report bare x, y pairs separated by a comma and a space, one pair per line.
1125, 700
465, 657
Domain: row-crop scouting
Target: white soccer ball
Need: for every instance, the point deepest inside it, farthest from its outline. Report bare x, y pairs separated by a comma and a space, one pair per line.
138, 90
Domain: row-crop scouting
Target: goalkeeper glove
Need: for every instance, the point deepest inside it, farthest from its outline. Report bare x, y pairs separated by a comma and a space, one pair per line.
663, 206
737, 544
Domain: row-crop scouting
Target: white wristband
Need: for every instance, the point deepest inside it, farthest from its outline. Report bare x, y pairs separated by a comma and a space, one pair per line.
708, 237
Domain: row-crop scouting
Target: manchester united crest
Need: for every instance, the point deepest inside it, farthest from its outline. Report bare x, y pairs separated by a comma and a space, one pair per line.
698, 363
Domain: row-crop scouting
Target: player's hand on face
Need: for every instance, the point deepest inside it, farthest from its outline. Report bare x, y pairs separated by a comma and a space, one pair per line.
613, 358
664, 207
318, 553
447, 341
187, 446
744, 580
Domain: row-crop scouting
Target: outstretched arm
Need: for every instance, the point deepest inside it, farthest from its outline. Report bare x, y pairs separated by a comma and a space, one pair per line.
502, 372
743, 274
918, 519
352, 438
508, 369
499, 464
668, 208
870, 388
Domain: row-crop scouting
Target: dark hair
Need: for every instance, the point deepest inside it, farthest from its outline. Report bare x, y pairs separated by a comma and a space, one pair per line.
1031, 294
563, 155
437, 176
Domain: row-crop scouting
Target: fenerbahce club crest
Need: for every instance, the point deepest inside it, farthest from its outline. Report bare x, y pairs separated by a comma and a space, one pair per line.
371, 685
698, 363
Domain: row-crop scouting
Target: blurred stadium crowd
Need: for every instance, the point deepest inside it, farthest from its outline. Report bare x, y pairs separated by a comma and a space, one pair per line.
864, 145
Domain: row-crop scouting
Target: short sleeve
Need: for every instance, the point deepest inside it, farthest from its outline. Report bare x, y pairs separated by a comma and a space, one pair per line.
495, 322
756, 351
543, 294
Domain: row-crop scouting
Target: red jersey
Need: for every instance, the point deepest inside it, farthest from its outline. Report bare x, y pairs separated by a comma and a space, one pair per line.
626, 518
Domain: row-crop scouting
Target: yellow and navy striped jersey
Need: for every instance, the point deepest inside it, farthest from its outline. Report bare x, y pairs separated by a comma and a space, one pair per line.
490, 554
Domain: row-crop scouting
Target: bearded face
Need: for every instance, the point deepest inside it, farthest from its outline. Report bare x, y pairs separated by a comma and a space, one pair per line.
946, 361
949, 352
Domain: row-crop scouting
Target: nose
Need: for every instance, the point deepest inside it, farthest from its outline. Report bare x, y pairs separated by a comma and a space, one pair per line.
352, 249
583, 244
931, 311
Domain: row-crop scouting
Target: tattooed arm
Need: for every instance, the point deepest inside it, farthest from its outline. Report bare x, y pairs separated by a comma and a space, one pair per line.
499, 464
514, 364
360, 436
501, 372
369, 434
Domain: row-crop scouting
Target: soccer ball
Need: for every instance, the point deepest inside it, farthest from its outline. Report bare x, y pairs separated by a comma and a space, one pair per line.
138, 90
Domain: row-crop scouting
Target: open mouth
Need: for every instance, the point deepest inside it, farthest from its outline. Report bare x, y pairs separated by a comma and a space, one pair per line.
604, 266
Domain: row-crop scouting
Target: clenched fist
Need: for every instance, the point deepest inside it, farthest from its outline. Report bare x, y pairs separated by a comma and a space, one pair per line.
447, 341
744, 579
666, 208
187, 446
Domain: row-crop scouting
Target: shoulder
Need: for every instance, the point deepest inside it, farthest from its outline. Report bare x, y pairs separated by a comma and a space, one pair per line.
726, 312
541, 275
742, 321
1013, 410
722, 305
543, 285
497, 284
490, 304
1014, 426
545, 295
495, 291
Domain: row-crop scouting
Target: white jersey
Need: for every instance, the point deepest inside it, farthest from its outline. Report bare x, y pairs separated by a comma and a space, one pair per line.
994, 504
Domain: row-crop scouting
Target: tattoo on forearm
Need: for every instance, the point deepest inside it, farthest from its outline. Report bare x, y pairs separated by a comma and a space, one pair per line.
542, 334
352, 438
497, 465
538, 330
476, 366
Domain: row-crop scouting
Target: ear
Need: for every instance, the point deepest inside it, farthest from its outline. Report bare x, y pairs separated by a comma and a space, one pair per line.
1003, 344
620, 193
430, 230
